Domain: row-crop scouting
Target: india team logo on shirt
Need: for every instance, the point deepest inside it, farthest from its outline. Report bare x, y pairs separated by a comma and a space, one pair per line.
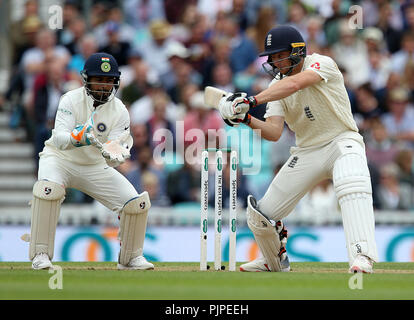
101, 127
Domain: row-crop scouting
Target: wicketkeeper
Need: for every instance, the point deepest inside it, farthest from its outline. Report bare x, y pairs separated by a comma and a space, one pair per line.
307, 93
90, 138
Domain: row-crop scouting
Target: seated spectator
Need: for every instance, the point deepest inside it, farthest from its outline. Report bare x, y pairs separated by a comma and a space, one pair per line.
404, 161
152, 184
266, 20
220, 54
48, 88
143, 109
389, 23
159, 121
399, 121
183, 185
392, 195
350, 52
201, 118
144, 164
243, 52
77, 61
380, 149
116, 47
223, 77
367, 107
400, 58
141, 139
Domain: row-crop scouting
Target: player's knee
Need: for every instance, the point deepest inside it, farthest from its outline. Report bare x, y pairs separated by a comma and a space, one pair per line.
140, 204
351, 176
48, 190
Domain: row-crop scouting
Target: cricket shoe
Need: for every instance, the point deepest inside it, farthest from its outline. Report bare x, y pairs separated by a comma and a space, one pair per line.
41, 261
260, 265
137, 263
362, 264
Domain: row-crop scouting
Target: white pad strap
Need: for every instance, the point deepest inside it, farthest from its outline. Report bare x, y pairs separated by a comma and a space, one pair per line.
45, 207
353, 188
265, 234
133, 225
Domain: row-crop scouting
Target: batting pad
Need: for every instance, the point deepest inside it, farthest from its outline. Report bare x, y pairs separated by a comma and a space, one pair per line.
265, 235
132, 226
45, 207
353, 189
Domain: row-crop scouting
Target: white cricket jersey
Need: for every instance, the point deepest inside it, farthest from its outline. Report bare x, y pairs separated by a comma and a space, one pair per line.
75, 108
318, 113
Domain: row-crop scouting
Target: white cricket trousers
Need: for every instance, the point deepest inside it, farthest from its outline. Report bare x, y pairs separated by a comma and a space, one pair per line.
344, 161
101, 182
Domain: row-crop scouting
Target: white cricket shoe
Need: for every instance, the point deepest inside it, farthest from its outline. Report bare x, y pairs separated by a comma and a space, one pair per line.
137, 263
362, 264
260, 265
41, 261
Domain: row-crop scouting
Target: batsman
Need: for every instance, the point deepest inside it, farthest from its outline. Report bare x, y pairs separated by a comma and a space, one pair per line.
307, 93
90, 138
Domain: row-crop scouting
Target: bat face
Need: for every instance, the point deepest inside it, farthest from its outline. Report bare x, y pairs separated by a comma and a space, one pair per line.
212, 96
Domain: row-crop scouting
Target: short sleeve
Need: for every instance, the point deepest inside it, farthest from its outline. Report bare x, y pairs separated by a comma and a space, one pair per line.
274, 108
325, 67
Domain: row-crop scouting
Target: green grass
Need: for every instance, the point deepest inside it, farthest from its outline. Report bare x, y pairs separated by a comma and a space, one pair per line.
183, 281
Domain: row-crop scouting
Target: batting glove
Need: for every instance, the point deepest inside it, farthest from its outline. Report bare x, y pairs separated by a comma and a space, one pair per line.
243, 104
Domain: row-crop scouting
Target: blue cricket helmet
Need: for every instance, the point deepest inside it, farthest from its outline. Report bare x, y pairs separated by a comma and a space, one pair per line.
283, 38
101, 64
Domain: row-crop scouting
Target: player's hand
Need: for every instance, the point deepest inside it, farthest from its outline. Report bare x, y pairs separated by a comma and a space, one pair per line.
117, 151
226, 107
241, 118
80, 135
242, 104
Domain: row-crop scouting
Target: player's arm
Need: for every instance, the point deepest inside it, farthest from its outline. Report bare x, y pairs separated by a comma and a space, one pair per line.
288, 86
271, 129
64, 123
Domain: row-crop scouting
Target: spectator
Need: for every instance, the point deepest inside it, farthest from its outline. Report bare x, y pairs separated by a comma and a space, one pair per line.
380, 149
314, 32
159, 121
152, 184
155, 50
379, 72
297, 17
137, 88
77, 29
140, 13
390, 30
23, 31
143, 164
351, 53
392, 195
400, 58
141, 139
399, 121
48, 88
71, 11
243, 50
116, 47
404, 161
143, 109
266, 19
220, 54
125, 32
223, 77
33, 60
183, 185
87, 47
200, 117
367, 107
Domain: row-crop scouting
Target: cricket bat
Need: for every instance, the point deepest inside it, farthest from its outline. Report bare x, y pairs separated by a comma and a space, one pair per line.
212, 96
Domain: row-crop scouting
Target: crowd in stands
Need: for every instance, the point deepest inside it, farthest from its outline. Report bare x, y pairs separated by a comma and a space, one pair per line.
168, 51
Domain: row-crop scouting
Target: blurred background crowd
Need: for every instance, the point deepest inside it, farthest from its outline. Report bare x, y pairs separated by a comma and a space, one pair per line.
168, 51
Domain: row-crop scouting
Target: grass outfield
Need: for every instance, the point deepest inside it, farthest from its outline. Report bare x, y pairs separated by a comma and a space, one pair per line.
183, 281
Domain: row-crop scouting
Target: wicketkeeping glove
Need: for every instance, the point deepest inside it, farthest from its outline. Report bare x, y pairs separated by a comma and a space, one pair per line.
79, 135
115, 151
